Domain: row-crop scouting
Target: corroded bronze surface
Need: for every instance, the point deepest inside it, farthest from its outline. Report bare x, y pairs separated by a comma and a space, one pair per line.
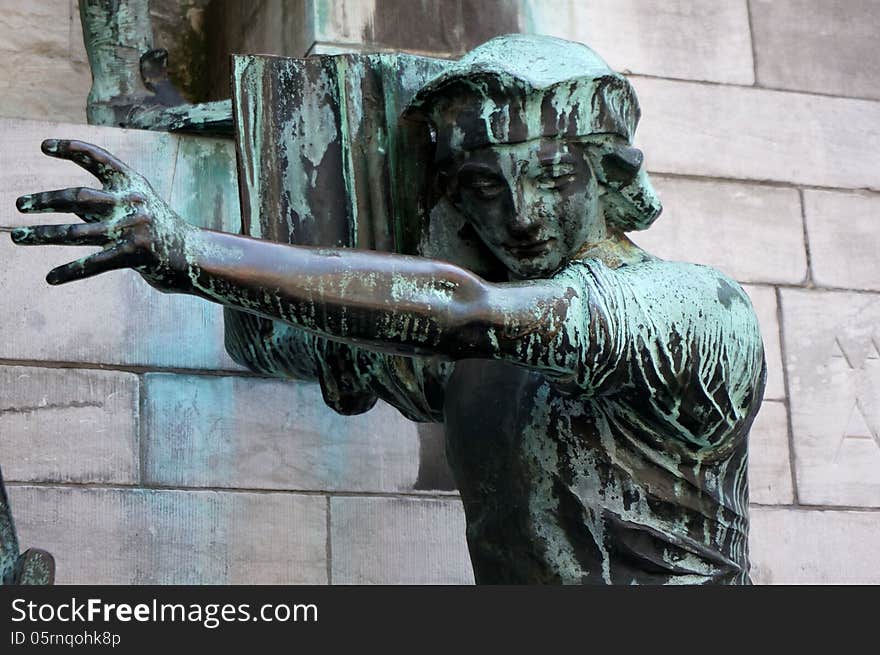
130, 81
596, 400
32, 567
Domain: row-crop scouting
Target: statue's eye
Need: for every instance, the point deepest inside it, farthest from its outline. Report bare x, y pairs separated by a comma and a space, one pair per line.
484, 186
555, 177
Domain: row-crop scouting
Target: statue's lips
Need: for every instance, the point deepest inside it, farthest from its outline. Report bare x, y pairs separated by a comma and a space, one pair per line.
531, 249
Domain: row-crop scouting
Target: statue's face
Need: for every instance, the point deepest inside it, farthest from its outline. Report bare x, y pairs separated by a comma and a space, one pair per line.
534, 204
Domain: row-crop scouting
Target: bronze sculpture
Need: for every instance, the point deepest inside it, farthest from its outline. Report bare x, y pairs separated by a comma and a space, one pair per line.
596, 400
32, 567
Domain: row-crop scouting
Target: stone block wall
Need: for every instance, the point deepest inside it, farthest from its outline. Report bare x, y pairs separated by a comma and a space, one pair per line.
44, 72
137, 452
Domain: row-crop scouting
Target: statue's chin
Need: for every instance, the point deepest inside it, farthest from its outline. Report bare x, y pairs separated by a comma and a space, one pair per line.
537, 266
533, 270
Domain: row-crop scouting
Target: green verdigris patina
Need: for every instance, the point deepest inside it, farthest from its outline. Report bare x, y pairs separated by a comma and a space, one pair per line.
131, 83
596, 400
32, 567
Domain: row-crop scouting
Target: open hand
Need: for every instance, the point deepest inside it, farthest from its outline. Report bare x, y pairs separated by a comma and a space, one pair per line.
127, 218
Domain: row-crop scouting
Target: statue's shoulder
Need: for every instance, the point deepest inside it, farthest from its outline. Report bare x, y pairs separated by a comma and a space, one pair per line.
700, 301
641, 266
659, 287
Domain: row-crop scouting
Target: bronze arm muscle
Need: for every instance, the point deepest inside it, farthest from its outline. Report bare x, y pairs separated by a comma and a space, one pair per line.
393, 303
386, 302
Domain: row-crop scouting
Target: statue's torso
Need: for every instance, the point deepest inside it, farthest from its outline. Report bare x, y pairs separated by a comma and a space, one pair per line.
643, 480
556, 491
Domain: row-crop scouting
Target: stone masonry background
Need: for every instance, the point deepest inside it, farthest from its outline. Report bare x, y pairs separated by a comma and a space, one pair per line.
136, 451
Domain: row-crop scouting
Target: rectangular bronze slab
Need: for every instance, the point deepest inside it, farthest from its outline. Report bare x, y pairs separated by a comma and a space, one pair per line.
324, 157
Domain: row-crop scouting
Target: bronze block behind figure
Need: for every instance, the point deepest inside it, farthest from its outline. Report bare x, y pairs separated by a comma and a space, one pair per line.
596, 400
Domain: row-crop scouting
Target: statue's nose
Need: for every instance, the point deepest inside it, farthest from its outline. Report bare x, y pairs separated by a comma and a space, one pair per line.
524, 223
525, 218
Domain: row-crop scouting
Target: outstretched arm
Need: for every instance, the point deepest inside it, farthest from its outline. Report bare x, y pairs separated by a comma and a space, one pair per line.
392, 303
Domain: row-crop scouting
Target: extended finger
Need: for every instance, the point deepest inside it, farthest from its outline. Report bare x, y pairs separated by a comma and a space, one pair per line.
79, 200
79, 234
100, 262
95, 160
